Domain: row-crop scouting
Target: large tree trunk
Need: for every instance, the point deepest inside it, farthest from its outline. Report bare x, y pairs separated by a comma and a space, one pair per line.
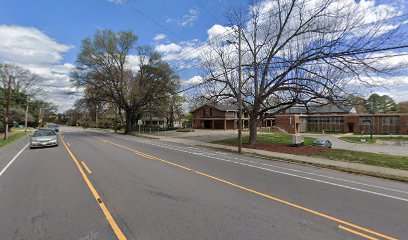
253, 124
129, 122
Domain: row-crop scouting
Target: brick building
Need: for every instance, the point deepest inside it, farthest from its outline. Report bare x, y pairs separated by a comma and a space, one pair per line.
328, 118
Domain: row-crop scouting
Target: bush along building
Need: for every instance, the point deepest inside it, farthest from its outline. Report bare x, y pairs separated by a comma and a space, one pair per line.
327, 118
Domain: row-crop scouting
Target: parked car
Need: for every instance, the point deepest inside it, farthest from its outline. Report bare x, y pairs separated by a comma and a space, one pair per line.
322, 143
43, 138
53, 126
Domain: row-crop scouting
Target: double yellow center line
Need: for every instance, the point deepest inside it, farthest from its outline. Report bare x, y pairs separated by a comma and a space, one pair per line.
118, 232
339, 221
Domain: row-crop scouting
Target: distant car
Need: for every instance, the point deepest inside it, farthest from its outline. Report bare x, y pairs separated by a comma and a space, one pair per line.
43, 138
52, 126
322, 143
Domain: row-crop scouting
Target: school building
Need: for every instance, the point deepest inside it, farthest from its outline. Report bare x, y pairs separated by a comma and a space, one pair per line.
328, 118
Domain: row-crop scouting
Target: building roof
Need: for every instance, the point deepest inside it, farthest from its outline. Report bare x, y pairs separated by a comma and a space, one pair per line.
324, 109
221, 107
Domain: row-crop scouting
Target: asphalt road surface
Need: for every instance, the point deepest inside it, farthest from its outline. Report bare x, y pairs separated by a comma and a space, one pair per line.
97, 185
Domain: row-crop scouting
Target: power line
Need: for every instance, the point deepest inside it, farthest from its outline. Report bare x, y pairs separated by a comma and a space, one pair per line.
310, 64
155, 22
208, 12
185, 55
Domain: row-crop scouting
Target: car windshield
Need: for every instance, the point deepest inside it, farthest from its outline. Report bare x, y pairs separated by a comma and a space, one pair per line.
43, 133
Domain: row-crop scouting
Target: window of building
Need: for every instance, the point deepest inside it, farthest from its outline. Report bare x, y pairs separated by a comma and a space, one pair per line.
204, 112
211, 111
390, 120
366, 121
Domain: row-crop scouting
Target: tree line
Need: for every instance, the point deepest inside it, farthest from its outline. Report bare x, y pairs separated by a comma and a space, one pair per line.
376, 103
24, 89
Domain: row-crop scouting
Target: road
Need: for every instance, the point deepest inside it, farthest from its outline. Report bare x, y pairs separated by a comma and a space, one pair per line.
96, 185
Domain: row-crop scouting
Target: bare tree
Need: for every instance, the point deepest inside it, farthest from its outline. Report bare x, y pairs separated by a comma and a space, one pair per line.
298, 52
22, 79
103, 64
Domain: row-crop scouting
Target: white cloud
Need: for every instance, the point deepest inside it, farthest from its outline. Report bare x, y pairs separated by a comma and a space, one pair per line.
55, 83
168, 48
399, 93
34, 50
117, 1
193, 80
218, 31
160, 37
29, 45
189, 19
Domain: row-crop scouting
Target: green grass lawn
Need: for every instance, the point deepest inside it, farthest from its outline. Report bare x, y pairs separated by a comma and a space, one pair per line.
374, 140
12, 138
383, 160
328, 133
274, 138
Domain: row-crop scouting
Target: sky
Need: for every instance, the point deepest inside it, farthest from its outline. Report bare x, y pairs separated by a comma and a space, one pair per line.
45, 35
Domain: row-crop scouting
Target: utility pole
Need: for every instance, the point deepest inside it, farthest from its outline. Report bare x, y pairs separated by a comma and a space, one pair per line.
239, 90
26, 116
6, 114
40, 116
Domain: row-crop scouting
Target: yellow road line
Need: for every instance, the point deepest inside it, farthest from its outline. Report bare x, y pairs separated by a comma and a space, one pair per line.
86, 167
255, 192
357, 233
119, 234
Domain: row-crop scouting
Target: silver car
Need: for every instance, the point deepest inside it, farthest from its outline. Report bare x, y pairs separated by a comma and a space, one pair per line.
52, 126
322, 143
43, 138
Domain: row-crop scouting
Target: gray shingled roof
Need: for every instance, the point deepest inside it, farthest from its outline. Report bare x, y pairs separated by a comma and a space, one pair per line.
320, 109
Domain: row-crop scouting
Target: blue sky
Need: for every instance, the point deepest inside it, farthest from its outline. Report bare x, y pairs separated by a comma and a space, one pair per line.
51, 31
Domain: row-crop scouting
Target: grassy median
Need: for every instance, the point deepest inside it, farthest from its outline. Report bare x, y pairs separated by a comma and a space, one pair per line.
274, 138
374, 140
280, 142
12, 138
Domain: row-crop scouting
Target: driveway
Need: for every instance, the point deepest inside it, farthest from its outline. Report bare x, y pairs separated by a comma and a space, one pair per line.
363, 147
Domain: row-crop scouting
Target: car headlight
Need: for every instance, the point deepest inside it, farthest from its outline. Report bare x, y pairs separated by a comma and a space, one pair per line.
53, 141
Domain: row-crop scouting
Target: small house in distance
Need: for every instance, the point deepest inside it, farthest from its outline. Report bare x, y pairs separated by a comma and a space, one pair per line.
215, 117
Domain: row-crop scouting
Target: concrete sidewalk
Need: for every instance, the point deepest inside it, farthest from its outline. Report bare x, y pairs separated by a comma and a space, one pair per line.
340, 165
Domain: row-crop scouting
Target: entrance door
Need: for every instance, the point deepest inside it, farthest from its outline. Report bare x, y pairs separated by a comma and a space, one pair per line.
350, 127
207, 124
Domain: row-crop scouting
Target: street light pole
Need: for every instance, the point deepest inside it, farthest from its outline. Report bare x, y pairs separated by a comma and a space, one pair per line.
26, 116
239, 91
6, 114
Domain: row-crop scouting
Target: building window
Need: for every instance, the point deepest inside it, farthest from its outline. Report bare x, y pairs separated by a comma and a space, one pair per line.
390, 125
390, 120
204, 112
211, 111
366, 121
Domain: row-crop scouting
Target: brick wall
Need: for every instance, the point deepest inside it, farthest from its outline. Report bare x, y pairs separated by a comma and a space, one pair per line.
403, 124
287, 122
199, 113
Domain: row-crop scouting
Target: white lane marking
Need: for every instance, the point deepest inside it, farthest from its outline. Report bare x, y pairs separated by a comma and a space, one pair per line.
12, 160
69, 145
269, 165
294, 175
